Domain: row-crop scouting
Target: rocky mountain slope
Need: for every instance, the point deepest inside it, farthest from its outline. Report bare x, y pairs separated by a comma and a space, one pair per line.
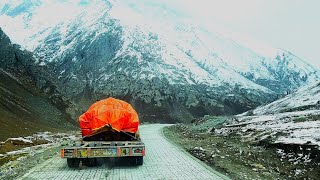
150, 54
305, 98
291, 123
288, 128
25, 107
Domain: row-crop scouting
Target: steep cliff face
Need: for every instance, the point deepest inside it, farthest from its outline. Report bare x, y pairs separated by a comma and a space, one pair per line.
168, 67
25, 108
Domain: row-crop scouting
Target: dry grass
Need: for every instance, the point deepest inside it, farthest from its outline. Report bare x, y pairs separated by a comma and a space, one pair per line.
237, 159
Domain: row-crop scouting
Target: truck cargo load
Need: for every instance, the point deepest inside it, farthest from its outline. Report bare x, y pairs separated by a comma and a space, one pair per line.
109, 130
109, 115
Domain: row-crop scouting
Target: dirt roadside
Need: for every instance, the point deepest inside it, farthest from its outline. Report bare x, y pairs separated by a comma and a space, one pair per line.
21, 165
234, 158
18, 155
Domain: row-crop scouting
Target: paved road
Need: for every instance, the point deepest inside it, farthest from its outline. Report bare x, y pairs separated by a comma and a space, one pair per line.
163, 160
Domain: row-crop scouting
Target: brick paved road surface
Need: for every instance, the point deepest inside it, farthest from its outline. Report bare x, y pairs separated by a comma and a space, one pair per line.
163, 160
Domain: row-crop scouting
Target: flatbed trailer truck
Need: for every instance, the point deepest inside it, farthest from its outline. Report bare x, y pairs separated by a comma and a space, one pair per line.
109, 129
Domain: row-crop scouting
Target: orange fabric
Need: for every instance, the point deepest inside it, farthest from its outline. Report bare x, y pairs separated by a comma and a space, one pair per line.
117, 113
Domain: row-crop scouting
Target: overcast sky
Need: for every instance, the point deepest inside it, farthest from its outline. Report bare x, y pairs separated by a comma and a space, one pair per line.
293, 25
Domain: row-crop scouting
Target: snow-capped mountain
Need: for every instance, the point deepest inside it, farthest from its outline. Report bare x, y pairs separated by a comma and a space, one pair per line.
149, 53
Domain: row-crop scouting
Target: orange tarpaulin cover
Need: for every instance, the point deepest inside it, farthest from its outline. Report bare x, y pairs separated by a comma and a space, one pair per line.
114, 112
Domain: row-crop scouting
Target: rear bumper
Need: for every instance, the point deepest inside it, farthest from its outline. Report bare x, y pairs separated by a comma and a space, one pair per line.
104, 149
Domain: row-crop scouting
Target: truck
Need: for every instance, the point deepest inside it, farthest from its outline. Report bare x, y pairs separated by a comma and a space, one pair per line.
109, 130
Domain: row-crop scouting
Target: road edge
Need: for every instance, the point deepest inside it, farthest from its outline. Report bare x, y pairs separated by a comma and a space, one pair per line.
177, 146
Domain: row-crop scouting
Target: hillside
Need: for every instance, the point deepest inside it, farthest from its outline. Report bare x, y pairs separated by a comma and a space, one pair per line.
305, 98
281, 138
292, 121
24, 107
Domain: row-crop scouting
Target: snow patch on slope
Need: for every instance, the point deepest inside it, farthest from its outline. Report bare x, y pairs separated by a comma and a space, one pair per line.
289, 128
307, 97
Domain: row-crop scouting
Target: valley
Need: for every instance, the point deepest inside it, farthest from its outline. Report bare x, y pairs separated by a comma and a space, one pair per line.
245, 111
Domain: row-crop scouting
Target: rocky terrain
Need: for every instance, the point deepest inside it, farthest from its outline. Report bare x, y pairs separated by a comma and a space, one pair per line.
290, 124
18, 155
304, 98
239, 154
277, 140
293, 120
166, 65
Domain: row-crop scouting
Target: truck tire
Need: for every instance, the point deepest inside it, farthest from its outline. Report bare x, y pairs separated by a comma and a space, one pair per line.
89, 162
73, 162
138, 160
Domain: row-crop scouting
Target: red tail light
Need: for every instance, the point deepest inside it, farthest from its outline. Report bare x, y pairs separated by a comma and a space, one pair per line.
143, 152
74, 152
62, 153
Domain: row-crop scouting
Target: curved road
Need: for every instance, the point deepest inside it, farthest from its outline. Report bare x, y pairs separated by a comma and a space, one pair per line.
163, 160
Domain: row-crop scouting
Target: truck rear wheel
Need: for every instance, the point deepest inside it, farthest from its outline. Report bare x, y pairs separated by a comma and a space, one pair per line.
89, 162
73, 162
138, 160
